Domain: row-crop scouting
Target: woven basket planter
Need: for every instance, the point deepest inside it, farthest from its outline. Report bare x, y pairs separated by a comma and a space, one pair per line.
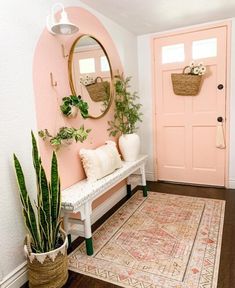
47, 270
186, 84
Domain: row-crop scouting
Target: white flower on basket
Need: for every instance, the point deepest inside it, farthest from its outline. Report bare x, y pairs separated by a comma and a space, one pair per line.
202, 70
192, 64
187, 70
195, 70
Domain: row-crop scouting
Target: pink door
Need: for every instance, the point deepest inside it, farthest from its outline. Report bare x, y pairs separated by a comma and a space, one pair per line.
186, 126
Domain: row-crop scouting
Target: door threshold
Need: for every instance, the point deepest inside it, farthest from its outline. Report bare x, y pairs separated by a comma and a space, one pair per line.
191, 184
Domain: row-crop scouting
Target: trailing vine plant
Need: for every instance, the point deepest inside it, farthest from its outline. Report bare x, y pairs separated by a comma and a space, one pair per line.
65, 135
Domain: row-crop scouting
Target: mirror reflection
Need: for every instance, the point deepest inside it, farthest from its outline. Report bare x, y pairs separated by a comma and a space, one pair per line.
91, 75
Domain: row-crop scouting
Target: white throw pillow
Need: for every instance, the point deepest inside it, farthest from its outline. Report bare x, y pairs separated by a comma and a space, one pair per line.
101, 161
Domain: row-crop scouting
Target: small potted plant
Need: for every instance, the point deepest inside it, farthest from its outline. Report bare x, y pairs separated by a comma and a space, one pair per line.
72, 104
65, 136
46, 244
126, 116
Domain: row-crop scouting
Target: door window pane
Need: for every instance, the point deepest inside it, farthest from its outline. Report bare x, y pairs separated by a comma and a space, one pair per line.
87, 65
204, 48
173, 53
104, 64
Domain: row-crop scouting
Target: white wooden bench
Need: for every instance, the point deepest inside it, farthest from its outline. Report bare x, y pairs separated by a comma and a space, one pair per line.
79, 197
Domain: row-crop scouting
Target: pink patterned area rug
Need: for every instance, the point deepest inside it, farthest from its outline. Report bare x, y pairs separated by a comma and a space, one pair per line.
162, 241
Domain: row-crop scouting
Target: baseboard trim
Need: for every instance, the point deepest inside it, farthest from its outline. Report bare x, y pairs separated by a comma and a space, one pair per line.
231, 183
150, 176
16, 278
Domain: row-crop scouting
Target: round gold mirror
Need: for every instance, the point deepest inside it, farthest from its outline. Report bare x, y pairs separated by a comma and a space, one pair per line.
90, 75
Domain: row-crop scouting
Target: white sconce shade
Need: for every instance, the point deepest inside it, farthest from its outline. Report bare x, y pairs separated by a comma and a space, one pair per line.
63, 26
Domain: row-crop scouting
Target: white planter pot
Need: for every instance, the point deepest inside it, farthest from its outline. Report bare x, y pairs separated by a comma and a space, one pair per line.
74, 112
129, 145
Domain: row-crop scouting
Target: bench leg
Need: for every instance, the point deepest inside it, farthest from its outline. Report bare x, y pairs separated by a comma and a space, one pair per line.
87, 230
128, 190
89, 246
144, 186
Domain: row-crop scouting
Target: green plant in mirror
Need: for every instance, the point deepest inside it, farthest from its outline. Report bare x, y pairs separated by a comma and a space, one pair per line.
126, 111
65, 135
43, 219
74, 101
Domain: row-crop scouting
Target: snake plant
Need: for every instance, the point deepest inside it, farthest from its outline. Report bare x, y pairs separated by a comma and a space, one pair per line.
43, 219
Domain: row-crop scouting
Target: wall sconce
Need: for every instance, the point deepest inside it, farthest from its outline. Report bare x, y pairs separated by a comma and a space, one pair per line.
63, 26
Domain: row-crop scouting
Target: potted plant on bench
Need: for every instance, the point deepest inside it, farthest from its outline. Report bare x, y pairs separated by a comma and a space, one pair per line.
126, 116
46, 244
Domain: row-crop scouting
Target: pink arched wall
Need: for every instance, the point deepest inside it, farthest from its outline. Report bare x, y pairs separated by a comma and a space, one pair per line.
48, 58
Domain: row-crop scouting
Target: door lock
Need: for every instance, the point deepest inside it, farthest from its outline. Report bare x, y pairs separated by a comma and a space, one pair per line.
220, 86
220, 119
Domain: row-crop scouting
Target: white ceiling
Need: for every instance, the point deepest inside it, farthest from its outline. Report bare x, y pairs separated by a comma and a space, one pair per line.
147, 16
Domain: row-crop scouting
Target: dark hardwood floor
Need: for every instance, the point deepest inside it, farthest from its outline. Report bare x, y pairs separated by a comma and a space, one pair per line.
227, 259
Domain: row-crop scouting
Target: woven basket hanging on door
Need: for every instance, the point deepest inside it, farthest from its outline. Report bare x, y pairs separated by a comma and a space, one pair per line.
186, 84
99, 90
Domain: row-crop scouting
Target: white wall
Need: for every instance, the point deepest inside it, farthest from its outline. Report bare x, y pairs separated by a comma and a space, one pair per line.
21, 23
146, 92
125, 41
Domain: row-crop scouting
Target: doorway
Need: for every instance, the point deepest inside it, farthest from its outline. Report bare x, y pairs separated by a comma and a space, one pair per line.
187, 126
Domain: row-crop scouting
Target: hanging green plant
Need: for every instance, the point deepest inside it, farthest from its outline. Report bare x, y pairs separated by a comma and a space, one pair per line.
72, 104
65, 136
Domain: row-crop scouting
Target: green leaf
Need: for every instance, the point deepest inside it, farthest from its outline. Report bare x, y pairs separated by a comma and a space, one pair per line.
36, 245
55, 186
45, 229
57, 235
28, 211
46, 201
74, 98
59, 200
36, 158
55, 142
76, 101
